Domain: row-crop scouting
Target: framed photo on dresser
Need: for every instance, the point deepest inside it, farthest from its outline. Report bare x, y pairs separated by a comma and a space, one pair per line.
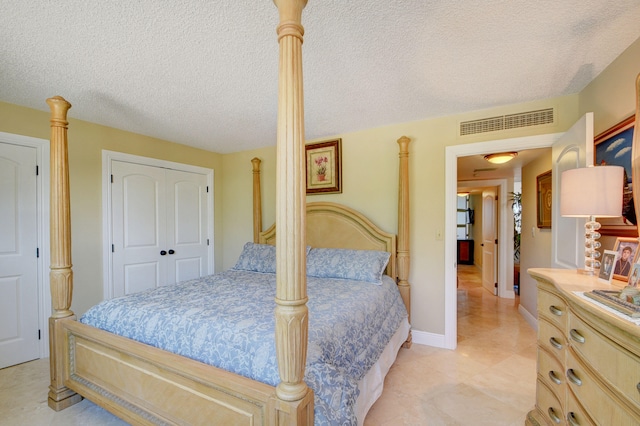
606, 266
626, 255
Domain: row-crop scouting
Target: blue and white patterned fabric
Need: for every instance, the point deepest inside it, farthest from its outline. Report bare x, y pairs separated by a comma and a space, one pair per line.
227, 320
257, 258
360, 265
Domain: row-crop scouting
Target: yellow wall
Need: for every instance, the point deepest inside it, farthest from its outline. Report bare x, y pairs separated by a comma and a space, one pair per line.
86, 142
535, 243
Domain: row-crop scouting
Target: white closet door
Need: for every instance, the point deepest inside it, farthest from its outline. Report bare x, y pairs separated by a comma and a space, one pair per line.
139, 224
186, 225
159, 226
18, 260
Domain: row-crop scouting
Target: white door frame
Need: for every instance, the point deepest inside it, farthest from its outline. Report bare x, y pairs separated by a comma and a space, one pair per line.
107, 158
451, 183
44, 261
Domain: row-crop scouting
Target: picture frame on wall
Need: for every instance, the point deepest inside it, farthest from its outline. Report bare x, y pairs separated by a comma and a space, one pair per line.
614, 147
606, 266
626, 255
324, 167
543, 182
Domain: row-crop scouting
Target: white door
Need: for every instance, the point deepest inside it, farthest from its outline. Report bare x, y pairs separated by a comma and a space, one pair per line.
489, 239
138, 218
18, 255
159, 223
186, 226
573, 150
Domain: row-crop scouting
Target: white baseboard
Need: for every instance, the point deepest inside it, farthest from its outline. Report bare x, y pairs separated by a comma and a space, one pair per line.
428, 339
533, 321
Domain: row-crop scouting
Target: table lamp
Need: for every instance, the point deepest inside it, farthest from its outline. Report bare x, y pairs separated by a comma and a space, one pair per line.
592, 192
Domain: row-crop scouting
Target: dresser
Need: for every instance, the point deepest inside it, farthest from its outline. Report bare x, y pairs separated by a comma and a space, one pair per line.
588, 358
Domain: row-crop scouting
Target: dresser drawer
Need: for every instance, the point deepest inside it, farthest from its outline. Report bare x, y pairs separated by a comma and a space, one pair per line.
551, 371
617, 366
551, 338
576, 414
548, 405
552, 307
600, 404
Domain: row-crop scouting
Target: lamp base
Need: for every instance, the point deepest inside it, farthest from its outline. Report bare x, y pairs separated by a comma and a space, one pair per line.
586, 272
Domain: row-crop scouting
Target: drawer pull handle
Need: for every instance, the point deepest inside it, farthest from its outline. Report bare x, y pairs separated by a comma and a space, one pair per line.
553, 415
638, 387
554, 377
571, 419
571, 375
575, 335
554, 342
555, 311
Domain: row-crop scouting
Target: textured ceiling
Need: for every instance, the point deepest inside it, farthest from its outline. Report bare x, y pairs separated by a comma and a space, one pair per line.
204, 73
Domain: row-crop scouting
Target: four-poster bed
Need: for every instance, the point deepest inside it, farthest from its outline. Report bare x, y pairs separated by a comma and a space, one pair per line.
146, 385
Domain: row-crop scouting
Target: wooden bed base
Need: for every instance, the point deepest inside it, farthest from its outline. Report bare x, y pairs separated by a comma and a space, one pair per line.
146, 385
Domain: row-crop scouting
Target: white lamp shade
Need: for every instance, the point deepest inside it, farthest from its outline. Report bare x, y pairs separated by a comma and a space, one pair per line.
592, 191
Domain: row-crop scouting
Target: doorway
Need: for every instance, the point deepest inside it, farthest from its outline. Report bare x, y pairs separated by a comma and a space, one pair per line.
451, 183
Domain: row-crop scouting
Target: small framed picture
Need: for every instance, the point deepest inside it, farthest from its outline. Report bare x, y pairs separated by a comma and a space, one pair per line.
626, 255
544, 200
324, 167
634, 279
606, 266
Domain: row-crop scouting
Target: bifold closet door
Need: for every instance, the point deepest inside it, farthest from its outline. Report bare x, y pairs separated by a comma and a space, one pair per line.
159, 229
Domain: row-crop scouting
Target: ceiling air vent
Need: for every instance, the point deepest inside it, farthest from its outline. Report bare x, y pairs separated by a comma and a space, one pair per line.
510, 121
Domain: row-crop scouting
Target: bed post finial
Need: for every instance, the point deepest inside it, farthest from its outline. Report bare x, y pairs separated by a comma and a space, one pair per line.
257, 200
403, 227
61, 275
291, 314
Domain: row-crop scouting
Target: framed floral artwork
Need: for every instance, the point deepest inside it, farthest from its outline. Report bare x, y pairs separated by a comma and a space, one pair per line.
614, 147
626, 255
324, 167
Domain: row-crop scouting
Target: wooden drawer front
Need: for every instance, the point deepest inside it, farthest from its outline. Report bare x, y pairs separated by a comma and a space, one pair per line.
576, 414
551, 338
553, 308
617, 366
549, 405
600, 404
551, 372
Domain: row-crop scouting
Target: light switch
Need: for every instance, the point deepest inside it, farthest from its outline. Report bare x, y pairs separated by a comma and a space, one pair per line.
533, 232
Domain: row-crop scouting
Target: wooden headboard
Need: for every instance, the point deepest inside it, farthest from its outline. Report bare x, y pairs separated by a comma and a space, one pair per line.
332, 225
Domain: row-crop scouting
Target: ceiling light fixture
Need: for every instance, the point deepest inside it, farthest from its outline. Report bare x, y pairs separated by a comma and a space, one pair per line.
500, 157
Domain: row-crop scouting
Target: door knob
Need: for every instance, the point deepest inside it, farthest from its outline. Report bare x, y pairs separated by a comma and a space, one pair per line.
162, 253
171, 251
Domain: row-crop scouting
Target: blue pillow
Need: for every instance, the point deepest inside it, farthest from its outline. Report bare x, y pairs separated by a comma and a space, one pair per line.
258, 258
360, 265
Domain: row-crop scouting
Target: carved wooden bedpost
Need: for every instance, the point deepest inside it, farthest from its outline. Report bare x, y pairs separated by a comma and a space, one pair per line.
403, 227
257, 200
61, 275
292, 319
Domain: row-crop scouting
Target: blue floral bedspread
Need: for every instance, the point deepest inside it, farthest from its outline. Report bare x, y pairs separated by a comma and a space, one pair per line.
227, 320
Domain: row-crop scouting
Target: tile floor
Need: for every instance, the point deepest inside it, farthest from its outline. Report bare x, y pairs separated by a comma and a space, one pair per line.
488, 380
